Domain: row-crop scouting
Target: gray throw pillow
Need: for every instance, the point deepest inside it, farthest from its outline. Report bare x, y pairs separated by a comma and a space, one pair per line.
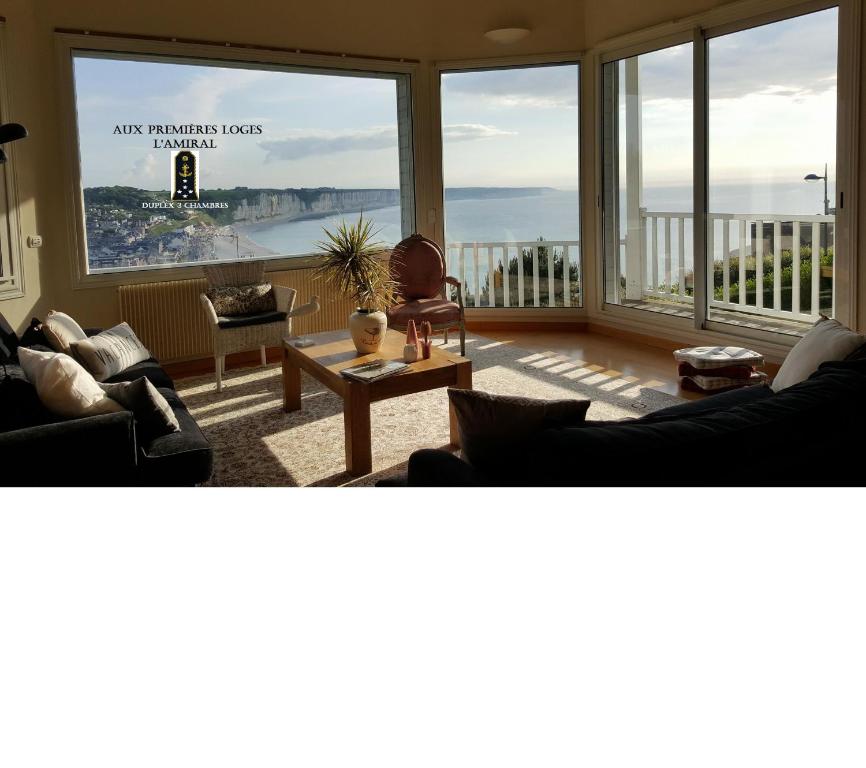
153, 415
495, 427
232, 301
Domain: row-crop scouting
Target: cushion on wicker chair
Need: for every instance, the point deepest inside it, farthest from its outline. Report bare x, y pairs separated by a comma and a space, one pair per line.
235, 300
432, 310
242, 321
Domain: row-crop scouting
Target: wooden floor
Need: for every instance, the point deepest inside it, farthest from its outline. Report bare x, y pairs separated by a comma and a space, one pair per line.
648, 366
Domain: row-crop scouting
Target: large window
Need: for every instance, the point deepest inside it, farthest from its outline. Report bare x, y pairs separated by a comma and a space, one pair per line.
510, 146
188, 161
767, 110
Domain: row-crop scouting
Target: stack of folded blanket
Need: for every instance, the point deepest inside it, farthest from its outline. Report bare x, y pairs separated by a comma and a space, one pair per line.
711, 369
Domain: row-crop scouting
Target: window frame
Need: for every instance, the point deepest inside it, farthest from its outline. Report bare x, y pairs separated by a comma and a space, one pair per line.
109, 46
699, 29
11, 266
436, 214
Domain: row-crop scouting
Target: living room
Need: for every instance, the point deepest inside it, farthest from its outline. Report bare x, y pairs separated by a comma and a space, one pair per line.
556, 199
269, 271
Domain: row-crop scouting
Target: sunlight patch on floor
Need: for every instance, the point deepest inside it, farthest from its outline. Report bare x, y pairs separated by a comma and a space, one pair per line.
267, 405
236, 402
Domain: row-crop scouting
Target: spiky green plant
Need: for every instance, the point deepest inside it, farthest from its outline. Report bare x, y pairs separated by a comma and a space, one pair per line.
353, 265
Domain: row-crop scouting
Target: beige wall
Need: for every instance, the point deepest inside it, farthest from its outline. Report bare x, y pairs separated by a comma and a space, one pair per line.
449, 29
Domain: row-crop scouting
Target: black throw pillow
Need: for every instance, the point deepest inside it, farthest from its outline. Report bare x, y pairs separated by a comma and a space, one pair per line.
153, 415
35, 336
494, 428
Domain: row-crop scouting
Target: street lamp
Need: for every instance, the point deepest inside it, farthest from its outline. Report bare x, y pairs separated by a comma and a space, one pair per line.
815, 177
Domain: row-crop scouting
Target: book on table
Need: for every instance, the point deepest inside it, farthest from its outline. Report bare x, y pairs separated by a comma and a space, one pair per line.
373, 371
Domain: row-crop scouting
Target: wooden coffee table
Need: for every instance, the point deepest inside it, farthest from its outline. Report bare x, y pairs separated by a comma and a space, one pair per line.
335, 351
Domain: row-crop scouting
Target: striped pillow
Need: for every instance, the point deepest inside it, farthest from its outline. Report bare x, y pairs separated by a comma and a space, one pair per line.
110, 352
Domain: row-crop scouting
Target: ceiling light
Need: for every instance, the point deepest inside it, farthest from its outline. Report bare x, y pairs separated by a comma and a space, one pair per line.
507, 35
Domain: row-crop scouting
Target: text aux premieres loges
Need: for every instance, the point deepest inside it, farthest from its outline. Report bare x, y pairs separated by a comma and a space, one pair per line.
186, 129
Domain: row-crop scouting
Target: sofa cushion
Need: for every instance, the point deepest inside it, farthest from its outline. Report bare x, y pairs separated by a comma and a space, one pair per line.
150, 369
762, 442
263, 318
184, 457
494, 428
110, 352
711, 404
154, 417
61, 331
232, 301
432, 310
826, 340
64, 386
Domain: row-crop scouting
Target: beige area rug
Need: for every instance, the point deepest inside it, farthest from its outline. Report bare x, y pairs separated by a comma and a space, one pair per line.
257, 444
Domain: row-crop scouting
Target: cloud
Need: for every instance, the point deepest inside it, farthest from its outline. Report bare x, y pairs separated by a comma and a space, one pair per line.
202, 95
791, 59
302, 144
542, 87
472, 132
143, 169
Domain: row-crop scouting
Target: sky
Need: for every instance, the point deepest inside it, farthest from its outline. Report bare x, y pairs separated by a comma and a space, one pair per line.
772, 117
772, 114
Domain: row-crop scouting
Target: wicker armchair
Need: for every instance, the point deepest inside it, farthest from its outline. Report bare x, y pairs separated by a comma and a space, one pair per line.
246, 332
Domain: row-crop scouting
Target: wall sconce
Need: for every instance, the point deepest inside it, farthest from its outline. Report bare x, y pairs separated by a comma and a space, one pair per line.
507, 35
10, 132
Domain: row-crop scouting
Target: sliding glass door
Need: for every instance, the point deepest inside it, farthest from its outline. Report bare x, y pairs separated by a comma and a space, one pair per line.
755, 106
771, 161
648, 192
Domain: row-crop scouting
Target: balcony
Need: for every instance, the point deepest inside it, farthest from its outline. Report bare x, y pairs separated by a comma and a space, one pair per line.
770, 271
787, 282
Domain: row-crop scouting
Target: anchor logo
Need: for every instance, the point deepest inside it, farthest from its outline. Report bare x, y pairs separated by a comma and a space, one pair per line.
184, 175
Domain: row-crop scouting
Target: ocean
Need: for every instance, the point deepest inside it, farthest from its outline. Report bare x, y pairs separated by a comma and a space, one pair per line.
553, 215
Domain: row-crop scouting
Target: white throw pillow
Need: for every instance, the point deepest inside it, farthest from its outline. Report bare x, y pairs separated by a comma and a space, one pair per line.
63, 386
61, 331
110, 352
825, 341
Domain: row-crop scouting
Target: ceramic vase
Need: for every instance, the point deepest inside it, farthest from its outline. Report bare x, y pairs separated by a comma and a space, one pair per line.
368, 330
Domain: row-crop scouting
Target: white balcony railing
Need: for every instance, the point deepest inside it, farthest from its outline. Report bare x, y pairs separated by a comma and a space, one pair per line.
777, 284
535, 273
781, 275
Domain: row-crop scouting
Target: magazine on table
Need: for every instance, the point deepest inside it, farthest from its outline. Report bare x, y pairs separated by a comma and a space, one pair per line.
375, 370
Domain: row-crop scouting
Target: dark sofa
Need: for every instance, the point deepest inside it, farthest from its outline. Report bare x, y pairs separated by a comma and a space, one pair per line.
810, 434
39, 448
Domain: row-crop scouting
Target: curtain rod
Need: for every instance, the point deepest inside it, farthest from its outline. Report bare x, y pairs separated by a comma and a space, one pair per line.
227, 44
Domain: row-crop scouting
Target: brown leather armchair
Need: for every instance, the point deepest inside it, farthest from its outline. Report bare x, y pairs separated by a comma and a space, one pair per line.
418, 268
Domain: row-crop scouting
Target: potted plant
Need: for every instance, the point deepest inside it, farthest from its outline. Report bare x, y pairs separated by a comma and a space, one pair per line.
352, 263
